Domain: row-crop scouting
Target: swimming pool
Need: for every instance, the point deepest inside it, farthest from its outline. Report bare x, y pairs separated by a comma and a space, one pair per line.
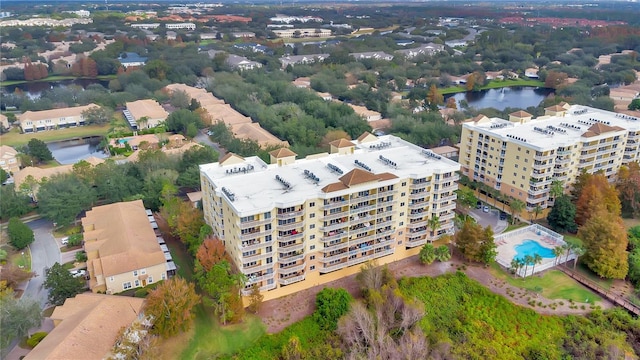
122, 141
531, 247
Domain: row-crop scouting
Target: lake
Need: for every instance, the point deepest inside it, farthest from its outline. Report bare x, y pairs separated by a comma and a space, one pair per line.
71, 151
513, 97
35, 89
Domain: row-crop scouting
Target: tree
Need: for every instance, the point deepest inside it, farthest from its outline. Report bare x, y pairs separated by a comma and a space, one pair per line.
577, 251
597, 194
61, 284
12, 275
135, 342
434, 224
561, 218
557, 252
634, 105
17, 316
536, 212
442, 253
466, 198
3, 176
63, 197
331, 304
554, 79
39, 150
170, 307
476, 243
292, 349
98, 115
223, 288
628, 185
528, 260
210, 253
255, 299
20, 235
180, 99
427, 254
557, 189
13, 203
605, 241
434, 98
536, 259
516, 206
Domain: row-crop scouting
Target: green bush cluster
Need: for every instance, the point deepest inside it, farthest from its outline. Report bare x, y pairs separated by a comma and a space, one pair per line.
35, 339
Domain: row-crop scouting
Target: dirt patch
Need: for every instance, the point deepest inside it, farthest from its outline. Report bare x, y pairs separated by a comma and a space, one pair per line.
279, 313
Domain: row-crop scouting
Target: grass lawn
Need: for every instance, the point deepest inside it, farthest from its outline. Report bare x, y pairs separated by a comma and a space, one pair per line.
15, 138
211, 340
515, 226
181, 258
586, 272
22, 259
554, 285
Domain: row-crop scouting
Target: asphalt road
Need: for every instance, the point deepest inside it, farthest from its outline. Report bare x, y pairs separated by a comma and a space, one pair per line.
491, 218
204, 139
44, 253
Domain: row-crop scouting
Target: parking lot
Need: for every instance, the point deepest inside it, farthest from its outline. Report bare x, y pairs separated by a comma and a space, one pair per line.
491, 218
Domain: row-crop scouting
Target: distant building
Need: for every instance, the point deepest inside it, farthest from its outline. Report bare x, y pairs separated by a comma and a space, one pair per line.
9, 160
145, 113
4, 121
289, 19
302, 33
243, 34
425, 49
302, 59
146, 26
34, 121
242, 63
178, 26
365, 113
123, 251
377, 55
131, 59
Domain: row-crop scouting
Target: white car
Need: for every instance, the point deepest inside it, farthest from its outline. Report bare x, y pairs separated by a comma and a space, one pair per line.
485, 209
64, 240
78, 273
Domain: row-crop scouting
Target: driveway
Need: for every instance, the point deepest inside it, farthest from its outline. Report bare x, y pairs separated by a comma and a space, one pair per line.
204, 139
44, 253
492, 218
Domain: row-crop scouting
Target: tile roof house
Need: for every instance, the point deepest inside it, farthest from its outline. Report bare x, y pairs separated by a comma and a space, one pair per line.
122, 249
377, 55
302, 59
148, 108
424, 49
34, 121
9, 161
4, 121
131, 59
367, 114
87, 326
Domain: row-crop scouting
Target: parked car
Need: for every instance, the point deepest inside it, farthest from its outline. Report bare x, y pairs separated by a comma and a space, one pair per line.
78, 273
65, 240
503, 215
479, 205
485, 209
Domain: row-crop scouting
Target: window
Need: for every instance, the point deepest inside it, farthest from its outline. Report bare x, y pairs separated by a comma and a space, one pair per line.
401, 223
312, 257
127, 285
402, 214
401, 204
312, 215
150, 279
267, 215
404, 183
135, 272
312, 247
311, 237
269, 260
403, 194
163, 276
111, 279
312, 267
267, 227
312, 226
399, 232
312, 204
137, 283
143, 271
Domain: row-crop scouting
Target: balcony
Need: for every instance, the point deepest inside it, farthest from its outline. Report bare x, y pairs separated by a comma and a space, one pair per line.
418, 195
335, 246
250, 236
337, 215
290, 280
290, 258
418, 215
334, 204
291, 226
446, 207
563, 152
419, 185
544, 157
328, 259
419, 205
290, 237
291, 247
292, 268
418, 241
447, 217
257, 279
417, 233
255, 268
255, 257
255, 246
562, 161
590, 147
289, 215
334, 236
536, 200
539, 191
359, 209
449, 198
247, 292
355, 198
253, 223
564, 177
335, 226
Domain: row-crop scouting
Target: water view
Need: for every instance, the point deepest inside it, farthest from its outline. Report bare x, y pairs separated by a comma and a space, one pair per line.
514, 97
72, 151
34, 89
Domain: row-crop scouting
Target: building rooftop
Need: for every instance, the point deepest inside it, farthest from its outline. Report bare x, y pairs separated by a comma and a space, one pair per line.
89, 325
254, 186
122, 236
147, 107
550, 132
54, 113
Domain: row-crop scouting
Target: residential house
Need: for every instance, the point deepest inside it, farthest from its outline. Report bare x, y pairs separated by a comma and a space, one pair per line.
242, 63
302, 59
4, 121
243, 35
302, 33
178, 26
449, 152
425, 49
365, 113
531, 73
145, 114
132, 60
302, 82
9, 160
87, 326
122, 249
34, 121
252, 47
377, 55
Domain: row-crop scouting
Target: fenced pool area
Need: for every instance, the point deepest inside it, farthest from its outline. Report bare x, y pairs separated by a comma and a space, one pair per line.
530, 240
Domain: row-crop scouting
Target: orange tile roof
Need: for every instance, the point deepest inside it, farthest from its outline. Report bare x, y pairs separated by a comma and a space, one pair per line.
364, 135
521, 114
342, 143
357, 176
282, 152
599, 128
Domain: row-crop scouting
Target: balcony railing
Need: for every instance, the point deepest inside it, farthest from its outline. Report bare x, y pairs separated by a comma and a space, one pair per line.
544, 157
292, 268
334, 204
360, 209
563, 161
418, 215
290, 237
446, 207
356, 261
418, 241
446, 217
255, 246
257, 279
247, 292
290, 280
330, 258
252, 223
537, 192
289, 215
335, 226
536, 200
254, 235
449, 198
291, 226
419, 195
335, 236
256, 268
290, 258
292, 247
421, 185
335, 246
256, 257
356, 199
341, 214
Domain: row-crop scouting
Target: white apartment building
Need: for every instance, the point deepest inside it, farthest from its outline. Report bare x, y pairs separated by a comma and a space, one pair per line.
521, 156
177, 26
297, 223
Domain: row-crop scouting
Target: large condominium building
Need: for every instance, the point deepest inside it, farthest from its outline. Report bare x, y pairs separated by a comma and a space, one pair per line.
293, 223
522, 156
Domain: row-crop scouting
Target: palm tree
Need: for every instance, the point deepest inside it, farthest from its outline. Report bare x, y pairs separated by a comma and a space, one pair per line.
434, 224
536, 211
537, 259
528, 259
578, 250
516, 206
515, 265
557, 252
557, 189
567, 247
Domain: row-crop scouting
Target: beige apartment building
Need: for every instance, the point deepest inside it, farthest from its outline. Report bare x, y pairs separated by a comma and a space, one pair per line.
297, 223
34, 121
9, 161
521, 156
123, 251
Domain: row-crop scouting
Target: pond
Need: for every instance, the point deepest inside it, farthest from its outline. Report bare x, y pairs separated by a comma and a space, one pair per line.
513, 97
71, 151
35, 88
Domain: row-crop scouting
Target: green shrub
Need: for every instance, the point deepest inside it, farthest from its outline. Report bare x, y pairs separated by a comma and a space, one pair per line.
75, 240
141, 293
36, 338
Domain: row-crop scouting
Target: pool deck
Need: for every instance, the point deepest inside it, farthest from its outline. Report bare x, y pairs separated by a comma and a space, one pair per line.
506, 246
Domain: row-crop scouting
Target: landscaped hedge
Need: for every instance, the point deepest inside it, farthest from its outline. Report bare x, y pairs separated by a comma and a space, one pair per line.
36, 338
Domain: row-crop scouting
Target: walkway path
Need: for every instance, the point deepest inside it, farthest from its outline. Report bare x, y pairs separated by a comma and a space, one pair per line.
614, 297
